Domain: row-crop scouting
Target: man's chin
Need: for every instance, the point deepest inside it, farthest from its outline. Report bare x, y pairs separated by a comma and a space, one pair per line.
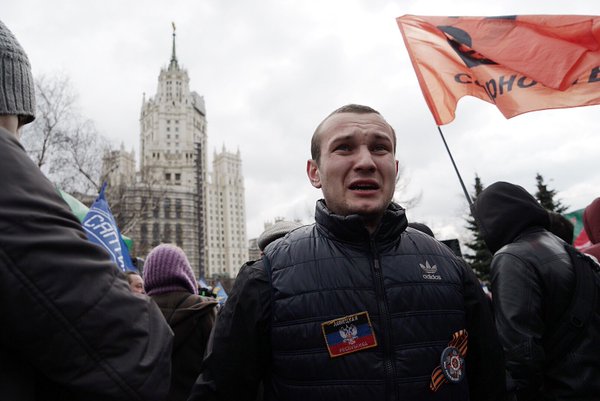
369, 212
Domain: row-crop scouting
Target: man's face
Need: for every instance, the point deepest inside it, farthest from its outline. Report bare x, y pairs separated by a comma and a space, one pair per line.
357, 167
137, 284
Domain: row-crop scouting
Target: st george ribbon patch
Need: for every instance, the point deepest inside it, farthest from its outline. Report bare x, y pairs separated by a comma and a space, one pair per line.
452, 362
348, 334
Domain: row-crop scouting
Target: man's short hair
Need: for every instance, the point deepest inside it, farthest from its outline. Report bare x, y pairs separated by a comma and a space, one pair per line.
315, 143
130, 273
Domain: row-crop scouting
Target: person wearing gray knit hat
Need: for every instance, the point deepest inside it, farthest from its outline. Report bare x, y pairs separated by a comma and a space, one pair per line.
276, 231
17, 93
71, 328
167, 269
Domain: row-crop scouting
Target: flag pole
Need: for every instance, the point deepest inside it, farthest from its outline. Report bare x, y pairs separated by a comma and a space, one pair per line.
462, 184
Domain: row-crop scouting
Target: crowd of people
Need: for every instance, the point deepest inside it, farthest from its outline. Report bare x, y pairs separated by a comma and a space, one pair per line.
358, 305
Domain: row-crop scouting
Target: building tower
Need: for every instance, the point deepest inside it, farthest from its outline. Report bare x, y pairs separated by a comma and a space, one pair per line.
172, 199
227, 246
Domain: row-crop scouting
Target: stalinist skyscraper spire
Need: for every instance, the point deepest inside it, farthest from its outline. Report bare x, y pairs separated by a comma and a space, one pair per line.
175, 199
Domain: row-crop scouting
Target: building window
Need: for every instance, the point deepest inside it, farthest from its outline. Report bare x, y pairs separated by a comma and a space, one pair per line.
144, 233
178, 235
168, 176
155, 207
167, 208
144, 207
178, 208
155, 234
167, 233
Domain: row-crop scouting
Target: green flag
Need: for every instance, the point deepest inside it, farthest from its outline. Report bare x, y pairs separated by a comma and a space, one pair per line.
581, 239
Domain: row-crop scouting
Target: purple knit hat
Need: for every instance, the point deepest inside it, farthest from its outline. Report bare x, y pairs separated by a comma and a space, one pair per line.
167, 269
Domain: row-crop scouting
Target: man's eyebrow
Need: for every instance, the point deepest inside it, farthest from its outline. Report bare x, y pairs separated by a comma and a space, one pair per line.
380, 135
342, 138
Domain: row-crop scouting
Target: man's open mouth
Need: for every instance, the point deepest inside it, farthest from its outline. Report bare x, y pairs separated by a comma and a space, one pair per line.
364, 187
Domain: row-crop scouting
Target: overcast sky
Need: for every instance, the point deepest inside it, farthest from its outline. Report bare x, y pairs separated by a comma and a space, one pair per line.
271, 70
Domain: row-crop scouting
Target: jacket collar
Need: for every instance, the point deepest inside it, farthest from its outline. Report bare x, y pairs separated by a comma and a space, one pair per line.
352, 228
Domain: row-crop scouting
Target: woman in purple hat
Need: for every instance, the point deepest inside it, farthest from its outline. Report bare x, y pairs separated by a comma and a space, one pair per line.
169, 280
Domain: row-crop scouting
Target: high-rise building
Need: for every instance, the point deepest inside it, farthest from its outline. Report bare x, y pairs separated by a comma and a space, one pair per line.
227, 248
173, 198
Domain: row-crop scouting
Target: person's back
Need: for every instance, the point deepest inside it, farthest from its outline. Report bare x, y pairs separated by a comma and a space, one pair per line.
170, 282
71, 329
533, 284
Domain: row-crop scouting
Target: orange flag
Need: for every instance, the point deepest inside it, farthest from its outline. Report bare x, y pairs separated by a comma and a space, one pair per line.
519, 63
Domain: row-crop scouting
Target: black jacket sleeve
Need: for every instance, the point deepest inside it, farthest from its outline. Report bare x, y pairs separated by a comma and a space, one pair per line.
238, 351
485, 360
519, 316
67, 311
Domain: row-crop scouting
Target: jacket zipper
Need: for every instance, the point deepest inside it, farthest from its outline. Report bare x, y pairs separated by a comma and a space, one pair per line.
386, 327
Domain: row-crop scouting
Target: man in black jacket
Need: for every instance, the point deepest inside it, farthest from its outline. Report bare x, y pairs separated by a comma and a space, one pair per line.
355, 306
533, 283
70, 327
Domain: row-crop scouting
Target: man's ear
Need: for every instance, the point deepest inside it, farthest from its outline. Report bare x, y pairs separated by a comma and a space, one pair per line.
312, 171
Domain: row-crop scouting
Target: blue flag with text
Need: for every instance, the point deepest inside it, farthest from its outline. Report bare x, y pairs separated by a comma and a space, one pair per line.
101, 228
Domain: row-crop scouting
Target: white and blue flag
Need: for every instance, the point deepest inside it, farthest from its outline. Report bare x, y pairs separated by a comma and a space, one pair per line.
101, 228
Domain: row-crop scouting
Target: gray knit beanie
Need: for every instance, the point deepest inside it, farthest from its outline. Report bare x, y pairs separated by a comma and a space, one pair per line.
167, 269
274, 231
17, 93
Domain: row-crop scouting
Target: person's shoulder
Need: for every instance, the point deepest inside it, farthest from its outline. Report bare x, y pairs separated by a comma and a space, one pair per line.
252, 270
427, 243
291, 239
534, 244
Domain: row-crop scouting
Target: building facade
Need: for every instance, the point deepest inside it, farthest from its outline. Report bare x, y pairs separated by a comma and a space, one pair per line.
173, 198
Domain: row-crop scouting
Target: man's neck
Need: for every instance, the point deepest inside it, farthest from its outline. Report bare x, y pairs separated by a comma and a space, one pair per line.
371, 223
10, 123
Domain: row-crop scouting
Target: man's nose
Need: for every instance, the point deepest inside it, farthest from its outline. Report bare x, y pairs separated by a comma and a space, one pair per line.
364, 159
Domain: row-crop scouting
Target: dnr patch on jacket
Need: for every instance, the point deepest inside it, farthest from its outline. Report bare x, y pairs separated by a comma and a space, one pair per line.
349, 334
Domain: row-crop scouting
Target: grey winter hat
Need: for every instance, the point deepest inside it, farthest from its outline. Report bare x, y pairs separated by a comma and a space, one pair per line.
274, 231
17, 94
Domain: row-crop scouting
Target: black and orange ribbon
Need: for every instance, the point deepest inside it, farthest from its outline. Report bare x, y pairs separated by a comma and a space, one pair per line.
459, 341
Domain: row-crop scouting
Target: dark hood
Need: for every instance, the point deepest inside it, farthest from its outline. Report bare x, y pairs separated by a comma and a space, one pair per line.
503, 211
591, 221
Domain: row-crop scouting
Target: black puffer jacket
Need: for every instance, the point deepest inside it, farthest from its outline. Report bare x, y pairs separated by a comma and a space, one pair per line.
532, 286
416, 292
70, 327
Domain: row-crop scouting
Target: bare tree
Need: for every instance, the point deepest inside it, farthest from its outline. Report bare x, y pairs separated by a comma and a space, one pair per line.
402, 183
54, 115
63, 143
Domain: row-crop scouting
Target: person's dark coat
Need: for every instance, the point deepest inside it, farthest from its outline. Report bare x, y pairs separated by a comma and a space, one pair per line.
532, 286
70, 327
416, 292
192, 318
